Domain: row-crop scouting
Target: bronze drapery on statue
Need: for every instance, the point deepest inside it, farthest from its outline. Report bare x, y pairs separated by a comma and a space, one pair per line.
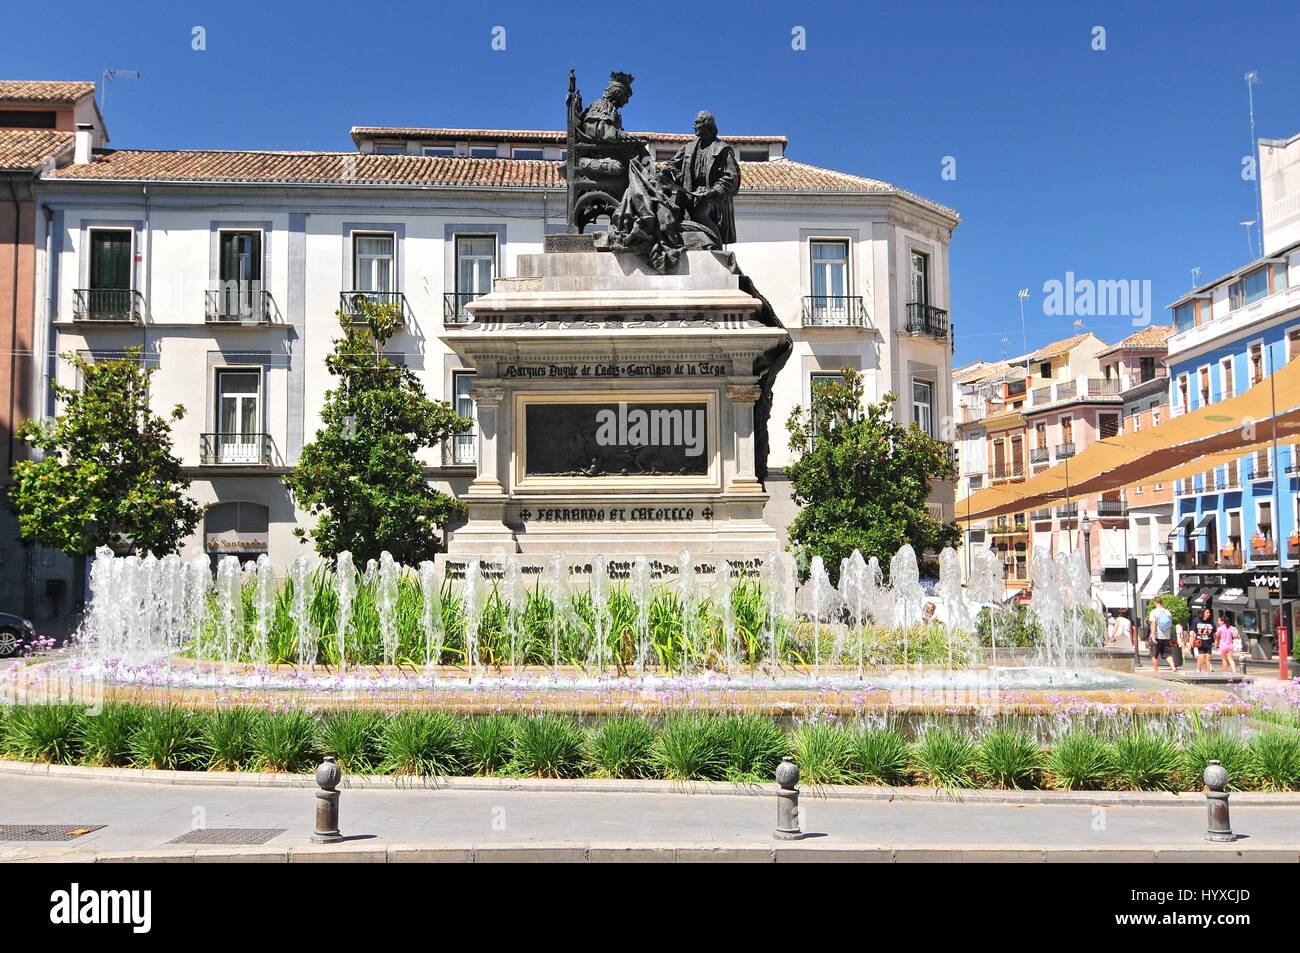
654, 213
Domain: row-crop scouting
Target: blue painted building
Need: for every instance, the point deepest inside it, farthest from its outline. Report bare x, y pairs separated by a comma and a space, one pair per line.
1229, 335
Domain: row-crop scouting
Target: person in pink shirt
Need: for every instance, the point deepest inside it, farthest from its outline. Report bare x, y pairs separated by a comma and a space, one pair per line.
1225, 635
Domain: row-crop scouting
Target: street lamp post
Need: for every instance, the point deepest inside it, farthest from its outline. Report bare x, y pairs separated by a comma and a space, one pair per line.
1085, 525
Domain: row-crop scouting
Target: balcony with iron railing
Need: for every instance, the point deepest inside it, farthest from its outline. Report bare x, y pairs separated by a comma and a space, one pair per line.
1043, 514
834, 311
926, 319
1008, 471
1262, 547
1103, 387
1068, 511
1040, 455
1230, 479
1261, 468
1230, 556
236, 449
1084, 388
1064, 450
350, 302
107, 306
460, 451
453, 306
1107, 508
234, 306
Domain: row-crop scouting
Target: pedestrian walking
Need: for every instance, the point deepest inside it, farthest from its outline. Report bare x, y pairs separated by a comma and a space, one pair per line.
1161, 636
1227, 635
1204, 640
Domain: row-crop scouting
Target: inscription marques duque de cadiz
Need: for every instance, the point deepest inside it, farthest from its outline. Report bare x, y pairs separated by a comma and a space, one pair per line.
611, 371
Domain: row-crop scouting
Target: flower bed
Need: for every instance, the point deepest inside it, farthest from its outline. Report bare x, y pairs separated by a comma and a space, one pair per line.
1115, 753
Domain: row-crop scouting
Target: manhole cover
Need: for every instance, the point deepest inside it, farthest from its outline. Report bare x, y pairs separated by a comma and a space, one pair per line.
229, 835
45, 832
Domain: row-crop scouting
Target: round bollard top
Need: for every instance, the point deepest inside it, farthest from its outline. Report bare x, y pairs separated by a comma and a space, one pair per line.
1215, 777
328, 774
787, 773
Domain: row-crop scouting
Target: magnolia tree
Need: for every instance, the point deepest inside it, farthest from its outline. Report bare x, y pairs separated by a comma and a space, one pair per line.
861, 479
361, 478
106, 476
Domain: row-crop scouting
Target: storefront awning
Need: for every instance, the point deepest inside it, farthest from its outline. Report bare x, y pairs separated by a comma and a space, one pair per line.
1205, 520
1272, 408
1182, 526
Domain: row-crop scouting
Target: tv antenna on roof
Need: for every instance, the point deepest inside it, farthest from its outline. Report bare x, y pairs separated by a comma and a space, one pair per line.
1253, 80
111, 73
1022, 294
1196, 276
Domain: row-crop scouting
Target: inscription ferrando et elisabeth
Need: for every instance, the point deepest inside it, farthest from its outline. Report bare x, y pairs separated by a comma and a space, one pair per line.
617, 439
607, 371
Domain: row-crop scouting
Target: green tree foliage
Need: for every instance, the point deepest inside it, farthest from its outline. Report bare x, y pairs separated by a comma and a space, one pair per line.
360, 477
107, 476
861, 480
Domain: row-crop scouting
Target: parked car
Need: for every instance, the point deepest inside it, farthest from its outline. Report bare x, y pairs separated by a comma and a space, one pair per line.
15, 631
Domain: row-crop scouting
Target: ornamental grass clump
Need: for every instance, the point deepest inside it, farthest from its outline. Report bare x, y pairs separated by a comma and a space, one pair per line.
824, 753
1145, 760
753, 746
1227, 749
1009, 758
424, 744
284, 741
547, 746
945, 758
622, 747
105, 738
167, 739
1078, 761
1275, 761
353, 738
691, 748
879, 756
489, 741
46, 732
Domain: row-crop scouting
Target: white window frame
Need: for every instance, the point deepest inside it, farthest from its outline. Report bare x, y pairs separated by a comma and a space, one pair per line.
249, 450
927, 405
393, 273
1260, 505
1228, 377
464, 447
928, 277
1208, 399
90, 251
829, 308
495, 258
1263, 360
1119, 422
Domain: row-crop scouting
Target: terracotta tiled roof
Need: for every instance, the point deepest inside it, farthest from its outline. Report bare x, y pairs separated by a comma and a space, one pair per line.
1060, 347
27, 148
353, 168
41, 91
526, 135
1153, 336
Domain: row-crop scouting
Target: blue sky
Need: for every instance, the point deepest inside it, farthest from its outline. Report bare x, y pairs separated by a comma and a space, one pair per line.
1123, 163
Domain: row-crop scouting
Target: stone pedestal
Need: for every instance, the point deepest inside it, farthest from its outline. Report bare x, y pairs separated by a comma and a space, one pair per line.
616, 408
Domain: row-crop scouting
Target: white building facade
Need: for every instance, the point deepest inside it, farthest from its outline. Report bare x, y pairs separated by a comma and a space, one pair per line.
227, 270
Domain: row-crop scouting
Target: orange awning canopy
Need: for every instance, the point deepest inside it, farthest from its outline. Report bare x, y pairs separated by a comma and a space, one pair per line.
1234, 426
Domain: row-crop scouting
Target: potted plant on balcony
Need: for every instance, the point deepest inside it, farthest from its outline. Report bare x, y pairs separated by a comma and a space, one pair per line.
1228, 551
1294, 539
1259, 541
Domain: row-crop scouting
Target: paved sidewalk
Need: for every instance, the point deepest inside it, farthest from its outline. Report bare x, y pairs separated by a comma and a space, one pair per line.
465, 825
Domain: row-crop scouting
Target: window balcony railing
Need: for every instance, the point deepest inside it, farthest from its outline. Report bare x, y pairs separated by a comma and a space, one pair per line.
1007, 471
460, 451
1263, 548
928, 320
108, 305
453, 306
1043, 514
1040, 455
235, 449
1068, 511
1101, 387
350, 302
834, 311
1230, 478
1230, 558
1066, 390
1064, 450
1111, 508
1261, 469
233, 306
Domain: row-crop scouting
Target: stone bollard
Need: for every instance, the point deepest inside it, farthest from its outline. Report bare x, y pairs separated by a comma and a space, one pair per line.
1216, 794
787, 801
328, 776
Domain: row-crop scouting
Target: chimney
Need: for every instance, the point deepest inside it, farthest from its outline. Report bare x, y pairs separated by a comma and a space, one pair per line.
81, 154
